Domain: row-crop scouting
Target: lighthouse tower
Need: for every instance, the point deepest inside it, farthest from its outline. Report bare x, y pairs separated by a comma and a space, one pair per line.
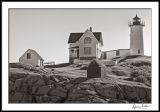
136, 36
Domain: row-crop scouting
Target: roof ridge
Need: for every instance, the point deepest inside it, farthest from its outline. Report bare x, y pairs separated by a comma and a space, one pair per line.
76, 36
116, 50
35, 52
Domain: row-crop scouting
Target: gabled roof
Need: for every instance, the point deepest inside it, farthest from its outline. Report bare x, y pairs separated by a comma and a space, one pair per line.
34, 53
76, 36
99, 62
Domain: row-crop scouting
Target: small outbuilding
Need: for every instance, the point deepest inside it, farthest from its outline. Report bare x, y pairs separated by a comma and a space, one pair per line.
96, 69
31, 57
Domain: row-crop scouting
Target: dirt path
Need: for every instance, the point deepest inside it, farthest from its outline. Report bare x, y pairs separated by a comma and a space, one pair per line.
70, 71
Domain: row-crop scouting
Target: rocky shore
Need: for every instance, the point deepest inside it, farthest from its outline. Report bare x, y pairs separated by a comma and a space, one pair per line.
127, 82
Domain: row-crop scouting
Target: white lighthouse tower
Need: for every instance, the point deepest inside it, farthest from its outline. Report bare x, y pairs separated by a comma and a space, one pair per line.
136, 36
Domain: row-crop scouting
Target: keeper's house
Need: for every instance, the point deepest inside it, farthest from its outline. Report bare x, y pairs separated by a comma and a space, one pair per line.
85, 46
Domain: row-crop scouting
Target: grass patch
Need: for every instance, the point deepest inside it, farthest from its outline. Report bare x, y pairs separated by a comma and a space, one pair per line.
128, 57
142, 74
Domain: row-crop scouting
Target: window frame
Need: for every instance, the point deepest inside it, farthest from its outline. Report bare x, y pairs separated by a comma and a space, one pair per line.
28, 55
87, 40
117, 52
87, 50
72, 50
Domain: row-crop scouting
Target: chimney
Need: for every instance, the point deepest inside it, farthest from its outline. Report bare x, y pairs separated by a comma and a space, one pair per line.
90, 29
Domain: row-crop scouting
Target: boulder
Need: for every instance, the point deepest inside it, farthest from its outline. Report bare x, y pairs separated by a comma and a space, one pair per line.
43, 90
106, 88
55, 99
45, 99
18, 84
32, 79
17, 75
59, 93
40, 82
16, 98
11, 86
27, 98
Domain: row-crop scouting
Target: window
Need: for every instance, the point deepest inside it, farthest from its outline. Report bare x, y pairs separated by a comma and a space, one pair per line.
28, 55
138, 51
117, 53
105, 55
87, 40
77, 53
87, 50
72, 51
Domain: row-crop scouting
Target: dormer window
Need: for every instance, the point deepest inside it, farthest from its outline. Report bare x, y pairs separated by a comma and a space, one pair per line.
87, 40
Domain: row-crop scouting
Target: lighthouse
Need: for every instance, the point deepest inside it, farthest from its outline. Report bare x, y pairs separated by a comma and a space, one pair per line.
136, 36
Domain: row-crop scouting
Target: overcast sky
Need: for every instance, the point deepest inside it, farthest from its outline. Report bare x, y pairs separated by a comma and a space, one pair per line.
47, 30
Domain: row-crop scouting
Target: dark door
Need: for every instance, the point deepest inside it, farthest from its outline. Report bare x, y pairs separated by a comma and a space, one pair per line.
94, 72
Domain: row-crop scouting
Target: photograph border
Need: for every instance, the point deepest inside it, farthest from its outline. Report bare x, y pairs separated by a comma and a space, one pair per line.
5, 54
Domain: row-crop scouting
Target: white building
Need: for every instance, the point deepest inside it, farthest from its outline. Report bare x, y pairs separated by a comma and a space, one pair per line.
136, 42
85, 46
113, 54
31, 57
136, 36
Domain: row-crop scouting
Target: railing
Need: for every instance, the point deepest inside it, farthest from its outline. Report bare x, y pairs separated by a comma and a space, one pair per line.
49, 63
131, 23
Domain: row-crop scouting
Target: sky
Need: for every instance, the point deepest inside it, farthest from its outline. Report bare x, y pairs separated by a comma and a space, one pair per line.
47, 30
